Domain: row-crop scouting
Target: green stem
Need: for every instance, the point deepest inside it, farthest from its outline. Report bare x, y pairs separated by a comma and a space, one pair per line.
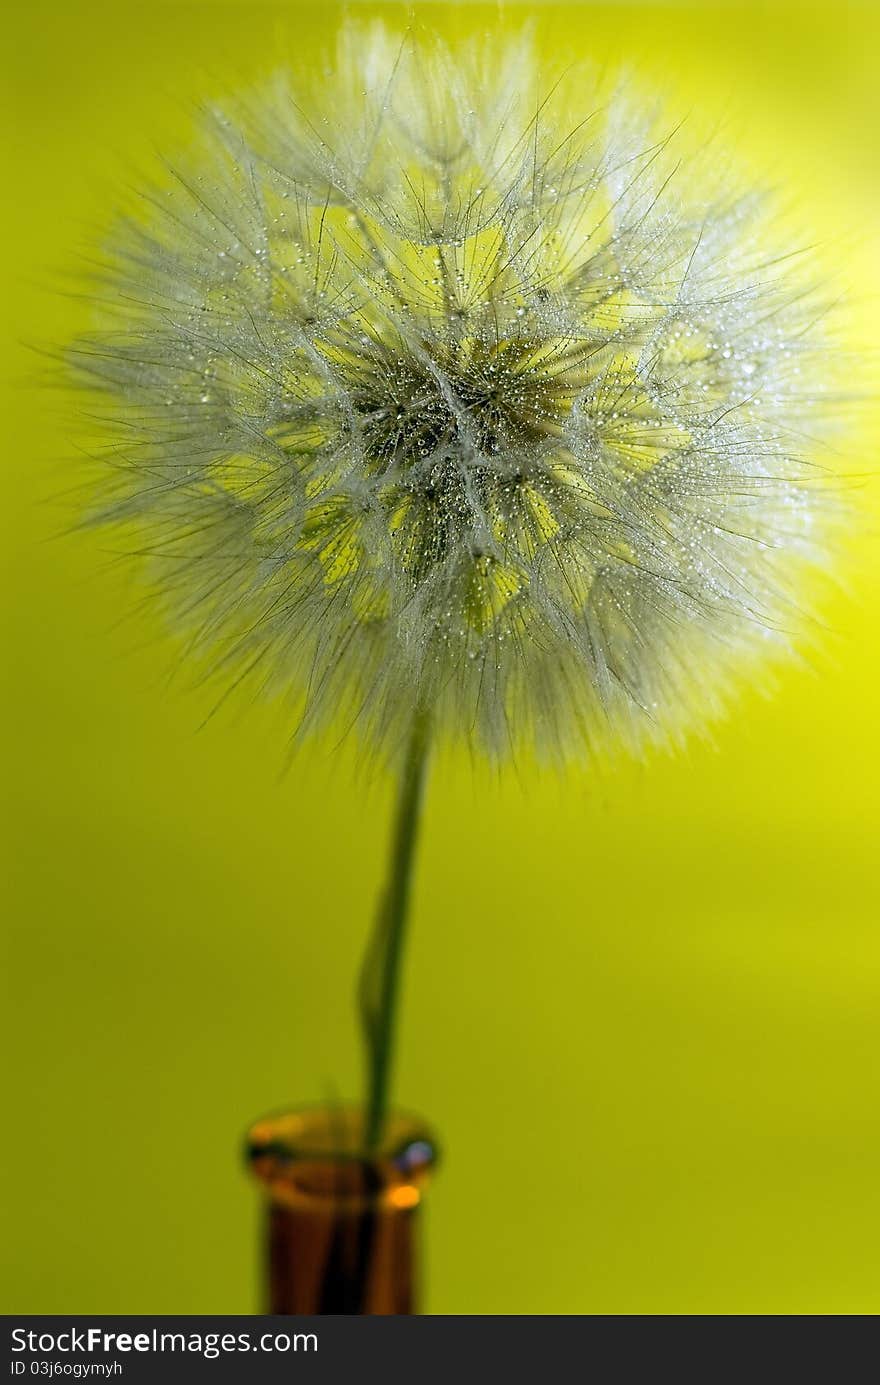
380, 975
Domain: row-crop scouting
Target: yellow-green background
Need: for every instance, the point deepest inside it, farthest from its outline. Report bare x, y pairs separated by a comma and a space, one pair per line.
642, 1009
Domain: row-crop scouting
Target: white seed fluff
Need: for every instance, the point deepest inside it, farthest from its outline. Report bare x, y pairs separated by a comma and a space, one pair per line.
430, 395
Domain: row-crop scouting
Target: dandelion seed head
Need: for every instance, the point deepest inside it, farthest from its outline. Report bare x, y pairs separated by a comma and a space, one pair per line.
426, 394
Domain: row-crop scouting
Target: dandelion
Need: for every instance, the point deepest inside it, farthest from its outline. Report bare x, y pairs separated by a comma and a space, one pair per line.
456, 415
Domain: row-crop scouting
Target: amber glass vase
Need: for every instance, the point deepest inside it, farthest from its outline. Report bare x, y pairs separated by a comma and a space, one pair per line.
341, 1222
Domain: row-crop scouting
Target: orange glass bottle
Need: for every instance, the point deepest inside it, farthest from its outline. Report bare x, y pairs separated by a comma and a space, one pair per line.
341, 1222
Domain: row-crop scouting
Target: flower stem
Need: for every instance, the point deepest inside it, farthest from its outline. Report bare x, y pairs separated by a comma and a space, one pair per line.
380, 974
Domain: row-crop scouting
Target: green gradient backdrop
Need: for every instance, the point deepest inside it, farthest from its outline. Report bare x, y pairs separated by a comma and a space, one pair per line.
642, 1011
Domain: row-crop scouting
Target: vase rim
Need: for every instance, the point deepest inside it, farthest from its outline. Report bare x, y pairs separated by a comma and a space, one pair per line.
315, 1153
